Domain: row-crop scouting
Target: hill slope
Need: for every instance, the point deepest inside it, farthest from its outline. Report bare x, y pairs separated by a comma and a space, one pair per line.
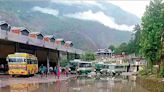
85, 34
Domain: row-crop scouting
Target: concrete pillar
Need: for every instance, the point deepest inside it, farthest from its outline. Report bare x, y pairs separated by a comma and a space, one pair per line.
58, 58
76, 56
48, 62
68, 57
16, 47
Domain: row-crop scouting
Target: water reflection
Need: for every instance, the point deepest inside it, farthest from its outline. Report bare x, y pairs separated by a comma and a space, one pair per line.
81, 84
23, 87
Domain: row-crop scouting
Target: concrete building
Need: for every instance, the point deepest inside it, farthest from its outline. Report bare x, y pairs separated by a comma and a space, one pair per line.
47, 49
104, 54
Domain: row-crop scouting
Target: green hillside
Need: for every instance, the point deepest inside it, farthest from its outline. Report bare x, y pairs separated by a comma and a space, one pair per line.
84, 34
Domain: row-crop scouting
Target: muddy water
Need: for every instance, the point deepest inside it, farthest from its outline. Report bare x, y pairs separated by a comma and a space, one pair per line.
80, 84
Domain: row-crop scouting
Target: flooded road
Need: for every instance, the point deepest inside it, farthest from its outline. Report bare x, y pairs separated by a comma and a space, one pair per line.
80, 84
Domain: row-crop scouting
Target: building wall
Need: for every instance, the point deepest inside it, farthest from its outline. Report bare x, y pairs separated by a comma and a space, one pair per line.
33, 35
46, 39
6, 49
15, 30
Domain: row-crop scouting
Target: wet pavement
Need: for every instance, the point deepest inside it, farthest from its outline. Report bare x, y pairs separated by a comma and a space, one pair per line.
80, 84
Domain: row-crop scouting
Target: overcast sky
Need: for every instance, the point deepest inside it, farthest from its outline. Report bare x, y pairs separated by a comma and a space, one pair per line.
136, 7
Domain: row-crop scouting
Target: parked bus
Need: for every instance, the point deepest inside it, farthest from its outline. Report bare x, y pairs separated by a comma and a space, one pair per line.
114, 68
22, 64
99, 66
81, 67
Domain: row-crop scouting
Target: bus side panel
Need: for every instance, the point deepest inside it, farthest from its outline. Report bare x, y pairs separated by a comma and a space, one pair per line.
32, 68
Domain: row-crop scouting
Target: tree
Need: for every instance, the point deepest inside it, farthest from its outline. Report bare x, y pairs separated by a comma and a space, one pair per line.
112, 47
136, 41
122, 48
88, 56
63, 61
132, 46
150, 35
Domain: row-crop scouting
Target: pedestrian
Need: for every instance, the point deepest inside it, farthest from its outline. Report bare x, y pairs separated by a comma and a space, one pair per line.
2, 67
66, 71
51, 70
55, 71
137, 68
41, 70
128, 68
45, 70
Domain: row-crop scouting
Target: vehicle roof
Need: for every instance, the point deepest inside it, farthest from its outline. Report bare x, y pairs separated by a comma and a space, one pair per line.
80, 61
21, 55
118, 64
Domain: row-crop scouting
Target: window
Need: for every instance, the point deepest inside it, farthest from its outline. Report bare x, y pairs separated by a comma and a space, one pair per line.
25, 32
31, 61
85, 65
40, 37
12, 60
52, 40
28, 61
5, 27
16, 60
119, 67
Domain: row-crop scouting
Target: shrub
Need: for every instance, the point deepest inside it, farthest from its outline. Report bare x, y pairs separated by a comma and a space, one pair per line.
162, 71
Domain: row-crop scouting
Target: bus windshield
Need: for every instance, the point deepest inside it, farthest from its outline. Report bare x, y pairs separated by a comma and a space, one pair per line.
85, 65
12, 60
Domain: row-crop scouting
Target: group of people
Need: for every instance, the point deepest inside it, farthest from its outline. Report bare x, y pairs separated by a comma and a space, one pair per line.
54, 71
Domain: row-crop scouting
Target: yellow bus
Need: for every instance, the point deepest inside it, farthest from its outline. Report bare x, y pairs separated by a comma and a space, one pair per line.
22, 64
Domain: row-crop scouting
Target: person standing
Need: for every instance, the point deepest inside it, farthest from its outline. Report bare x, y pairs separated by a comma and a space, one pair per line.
2, 68
41, 70
55, 71
66, 71
51, 70
45, 70
128, 68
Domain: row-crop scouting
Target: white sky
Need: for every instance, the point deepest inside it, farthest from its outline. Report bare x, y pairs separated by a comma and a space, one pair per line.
136, 7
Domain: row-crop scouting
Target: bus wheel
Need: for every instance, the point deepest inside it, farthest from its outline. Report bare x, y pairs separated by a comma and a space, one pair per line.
114, 74
79, 73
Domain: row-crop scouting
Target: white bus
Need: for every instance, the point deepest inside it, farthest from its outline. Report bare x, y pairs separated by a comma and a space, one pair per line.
80, 67
114, 68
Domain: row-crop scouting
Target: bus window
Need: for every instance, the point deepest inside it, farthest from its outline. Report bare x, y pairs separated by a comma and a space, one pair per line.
84, 65
12, 60
16, 60
36, 62
33, 61
28, 61
19, 60
119, 67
